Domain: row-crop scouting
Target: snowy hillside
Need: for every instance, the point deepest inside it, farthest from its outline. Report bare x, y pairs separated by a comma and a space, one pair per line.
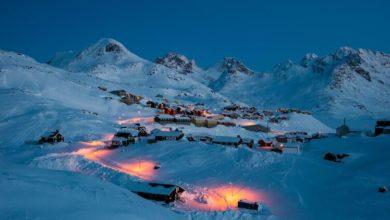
348, 81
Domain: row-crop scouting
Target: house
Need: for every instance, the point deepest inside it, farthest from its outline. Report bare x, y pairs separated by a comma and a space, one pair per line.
226, 140
297, 136
157, 191
256, 128
120, 92
246, 204
290, 148
265, 143
128, 100
169, 111
164, 118
118, 142
201, 138
167, 135
342, 130
382, 127
227, 122
281, 139
51, 137
123, 137
199, 121
182, 119
248, 141
151, 104
210, 123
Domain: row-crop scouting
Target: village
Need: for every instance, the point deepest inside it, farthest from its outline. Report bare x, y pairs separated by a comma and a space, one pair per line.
169, 124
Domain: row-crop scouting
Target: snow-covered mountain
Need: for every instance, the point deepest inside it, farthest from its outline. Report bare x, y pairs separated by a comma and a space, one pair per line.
110, 61
229, 70
346, 82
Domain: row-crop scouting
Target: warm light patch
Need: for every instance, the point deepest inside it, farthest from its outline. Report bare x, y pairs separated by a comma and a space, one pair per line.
223, 198
247, 123
135, 120
108, 137
143, 169
93, 143
93, 154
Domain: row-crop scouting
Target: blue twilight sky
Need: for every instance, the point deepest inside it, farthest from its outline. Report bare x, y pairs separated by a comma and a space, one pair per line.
260, 33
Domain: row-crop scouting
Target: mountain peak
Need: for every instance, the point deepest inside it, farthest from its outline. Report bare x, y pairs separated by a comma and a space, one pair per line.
233, 66
106, 51
177, 62
105, 46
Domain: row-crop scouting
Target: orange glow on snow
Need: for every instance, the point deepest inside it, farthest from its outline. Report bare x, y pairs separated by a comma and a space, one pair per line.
108, 137
143, 169
247, 123
93, 154
224, 197
93, 143
135, 120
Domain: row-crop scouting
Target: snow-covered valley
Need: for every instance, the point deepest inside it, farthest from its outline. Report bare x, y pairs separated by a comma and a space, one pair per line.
81, 178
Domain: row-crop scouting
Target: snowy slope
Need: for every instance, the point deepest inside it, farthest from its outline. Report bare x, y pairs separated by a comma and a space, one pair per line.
45, 194
348, 81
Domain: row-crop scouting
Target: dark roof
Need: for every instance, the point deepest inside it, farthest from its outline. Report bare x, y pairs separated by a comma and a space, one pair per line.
155, 188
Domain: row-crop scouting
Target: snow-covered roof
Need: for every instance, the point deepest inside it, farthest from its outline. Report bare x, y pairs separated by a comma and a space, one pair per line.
226, 139
50, 133
165, 117
182, 118
174, 133
154, 188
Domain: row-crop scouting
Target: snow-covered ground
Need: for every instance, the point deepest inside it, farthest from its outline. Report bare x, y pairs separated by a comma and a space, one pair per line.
80, 179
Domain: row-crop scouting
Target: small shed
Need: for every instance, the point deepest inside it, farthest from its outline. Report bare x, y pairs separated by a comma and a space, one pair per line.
246, 204
158, 191
51, 137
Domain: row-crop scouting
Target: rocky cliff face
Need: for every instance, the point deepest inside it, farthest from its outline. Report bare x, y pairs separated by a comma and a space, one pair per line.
177, 62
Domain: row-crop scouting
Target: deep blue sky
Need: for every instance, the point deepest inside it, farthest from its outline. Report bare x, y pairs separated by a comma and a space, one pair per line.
261, 33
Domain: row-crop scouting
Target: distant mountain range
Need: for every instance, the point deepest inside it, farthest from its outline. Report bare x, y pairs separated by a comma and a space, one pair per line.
346, 82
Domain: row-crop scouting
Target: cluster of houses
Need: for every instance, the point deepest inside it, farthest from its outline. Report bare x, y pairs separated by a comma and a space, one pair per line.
198, 121
128, 135
222, 140
127, 97
236, 111
292, 110
189, 111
